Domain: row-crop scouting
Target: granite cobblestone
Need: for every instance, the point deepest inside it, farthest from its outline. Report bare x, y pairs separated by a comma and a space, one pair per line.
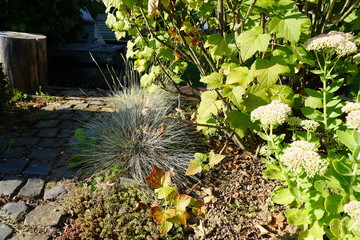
33, 165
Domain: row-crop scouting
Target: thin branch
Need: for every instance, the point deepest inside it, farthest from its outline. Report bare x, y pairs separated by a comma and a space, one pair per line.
243, 20
328, 11
349, 11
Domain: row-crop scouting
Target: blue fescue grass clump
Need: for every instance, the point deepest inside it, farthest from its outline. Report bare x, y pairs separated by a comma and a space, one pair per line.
138, 135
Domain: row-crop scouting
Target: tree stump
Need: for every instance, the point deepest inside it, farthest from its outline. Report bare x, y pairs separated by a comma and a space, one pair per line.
24, 58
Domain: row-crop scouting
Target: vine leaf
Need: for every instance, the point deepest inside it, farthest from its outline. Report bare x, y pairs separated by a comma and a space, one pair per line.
252, 41
288, 26
215, 158
217, 45
165, 227
235, 95
240, 75
182, 217
239, 122
267, 72
181, 201
164, 191
195, 165
158, 178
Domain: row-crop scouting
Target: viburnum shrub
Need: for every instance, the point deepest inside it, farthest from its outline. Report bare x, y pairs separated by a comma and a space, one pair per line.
319, 168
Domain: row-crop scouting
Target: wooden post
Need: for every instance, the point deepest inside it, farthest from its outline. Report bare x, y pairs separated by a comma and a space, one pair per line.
24, 58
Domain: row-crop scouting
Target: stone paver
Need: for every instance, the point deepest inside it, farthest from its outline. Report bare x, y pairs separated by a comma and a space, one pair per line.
38, 168
48, 123
13, 166
51, 142
15, 152
31, 237
32, 188
44, 154
5, 231
47, 132
9, 187
44, 216
14, 211
53, 191
26, 141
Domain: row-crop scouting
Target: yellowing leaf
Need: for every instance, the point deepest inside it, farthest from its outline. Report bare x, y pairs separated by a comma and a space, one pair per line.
194, 168
198, 207
182, 217
181, 201
209, 104
252, 41
163, 192
240, 75
158, 178
160, 215
214, 80
165, 227
215, 158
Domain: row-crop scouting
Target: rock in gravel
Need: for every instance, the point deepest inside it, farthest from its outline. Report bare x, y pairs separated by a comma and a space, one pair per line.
10, 186
14, 211
5, 231
44, 216
32, 188
53, 192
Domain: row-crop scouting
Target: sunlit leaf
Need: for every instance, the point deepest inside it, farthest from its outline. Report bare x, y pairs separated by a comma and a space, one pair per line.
267, 72
252, 41
181, 201
282, 196
164, 191
182, 217
297, 216
214, 80
240, 75
158, 178
160, 214
209, 104
195, 165
214, 158
217, 45
165, 227
239, 122
198, 207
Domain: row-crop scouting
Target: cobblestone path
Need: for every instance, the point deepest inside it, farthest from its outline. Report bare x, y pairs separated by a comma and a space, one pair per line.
33, 168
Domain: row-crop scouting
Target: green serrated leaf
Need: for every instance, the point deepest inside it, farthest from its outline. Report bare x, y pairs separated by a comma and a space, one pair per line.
235, 95
283, 93
209, 104
217, 45
241, 76
267, 72
239, 122
214, 159
252, 41
214, 80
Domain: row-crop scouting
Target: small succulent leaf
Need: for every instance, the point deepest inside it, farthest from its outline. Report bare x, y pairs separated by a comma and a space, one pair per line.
347, 138
164, 191
297, 216
214, 80
181, 201
158, 178
335, 227
274, 172
333, 203
252, 41
312, 113
165, 227
160, 215
343, 166
316, 232
282, 196
241, 76
267, 72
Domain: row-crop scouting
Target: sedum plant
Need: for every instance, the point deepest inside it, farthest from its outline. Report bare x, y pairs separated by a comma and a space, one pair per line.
138, 135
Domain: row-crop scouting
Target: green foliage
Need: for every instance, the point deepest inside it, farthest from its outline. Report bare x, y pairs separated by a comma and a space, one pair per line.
5, 93
105, 210
19, 96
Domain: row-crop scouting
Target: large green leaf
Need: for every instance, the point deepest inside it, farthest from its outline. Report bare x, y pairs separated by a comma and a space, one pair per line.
252, 41
235, 95
267, 72
214, 80
282, 195
209, 104
283, 93
240, 75
217, 45
288, 26
239, 122
256, 96
333, 204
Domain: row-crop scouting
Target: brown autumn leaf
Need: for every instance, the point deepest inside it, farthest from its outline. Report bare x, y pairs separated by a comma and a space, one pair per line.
160, 215
158, 178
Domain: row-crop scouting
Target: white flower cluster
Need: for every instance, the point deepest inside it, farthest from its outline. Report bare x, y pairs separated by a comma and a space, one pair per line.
342, 43
274, 113
265, 151
353, 210
353, 117
304, 154
309, 125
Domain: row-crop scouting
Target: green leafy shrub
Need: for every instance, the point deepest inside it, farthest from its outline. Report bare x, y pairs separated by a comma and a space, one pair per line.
138, 135
106, 210
5, 93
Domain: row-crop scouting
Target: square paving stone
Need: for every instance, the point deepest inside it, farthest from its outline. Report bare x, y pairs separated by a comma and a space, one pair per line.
26, 141
44, 216
15, 152
63, 173
29, 132
37, 168
12, 166
29, 236
44, 154
47, 132
9, 187
51, 142
32, 188
5, 231
47, 123
14, 211
65, 133
70, 125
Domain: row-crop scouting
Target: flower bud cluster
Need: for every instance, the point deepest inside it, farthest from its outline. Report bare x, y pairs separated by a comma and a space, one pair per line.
274, 113
309, 125
353, 210
353, 117
303, 154
342, 43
